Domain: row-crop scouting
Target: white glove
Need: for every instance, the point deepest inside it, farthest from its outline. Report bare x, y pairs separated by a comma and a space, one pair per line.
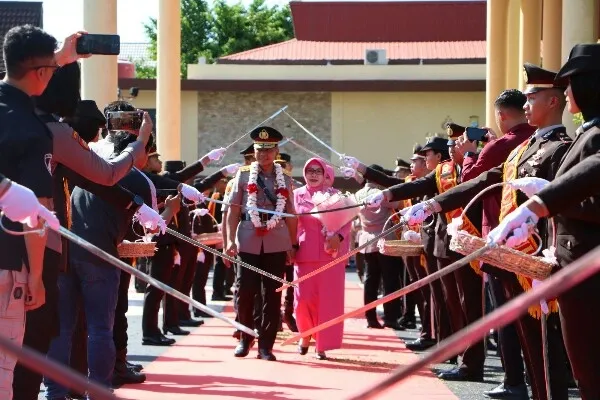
49, 217
416, 214
201, 257
529, 185
231, 169
216, 154
543, 304
519, 235
200, 212
20, 204
150, 219
375, 200
516, 219
177, 259
350, 162
348, 172
412, 236
192, 194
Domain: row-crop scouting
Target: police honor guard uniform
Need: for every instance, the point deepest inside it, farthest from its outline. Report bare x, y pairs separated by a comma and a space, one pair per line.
538, 157
263, 248
462, 290
577, 222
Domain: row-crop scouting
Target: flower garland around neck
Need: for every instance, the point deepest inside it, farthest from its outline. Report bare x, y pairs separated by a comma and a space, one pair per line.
280, 191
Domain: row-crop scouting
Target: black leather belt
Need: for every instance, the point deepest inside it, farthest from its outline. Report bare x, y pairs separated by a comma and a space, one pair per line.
264, 217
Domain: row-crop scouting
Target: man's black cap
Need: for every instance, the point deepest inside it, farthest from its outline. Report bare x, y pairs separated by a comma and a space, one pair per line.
538, 79
174, 166
248, 151
284, 157
265, 137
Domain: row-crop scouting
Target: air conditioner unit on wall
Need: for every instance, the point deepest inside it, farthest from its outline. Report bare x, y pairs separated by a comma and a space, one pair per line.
375, 57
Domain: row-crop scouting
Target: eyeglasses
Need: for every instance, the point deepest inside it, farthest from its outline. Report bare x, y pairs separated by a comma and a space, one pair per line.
314, 171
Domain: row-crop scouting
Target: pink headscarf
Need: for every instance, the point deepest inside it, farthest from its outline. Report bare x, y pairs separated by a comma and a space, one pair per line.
329, 175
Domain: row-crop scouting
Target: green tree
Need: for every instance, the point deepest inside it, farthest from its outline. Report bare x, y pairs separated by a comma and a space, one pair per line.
224, 29
578, 119
144, 71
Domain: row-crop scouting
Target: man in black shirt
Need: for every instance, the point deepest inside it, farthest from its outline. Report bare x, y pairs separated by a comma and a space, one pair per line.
25, 157
105, 226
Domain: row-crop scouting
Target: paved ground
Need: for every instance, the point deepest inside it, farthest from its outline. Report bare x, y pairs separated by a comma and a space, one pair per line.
463, 390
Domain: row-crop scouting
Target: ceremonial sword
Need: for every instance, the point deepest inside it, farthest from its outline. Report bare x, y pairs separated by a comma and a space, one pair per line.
565, 279
129, 269
228, 257
342, 257
392, 296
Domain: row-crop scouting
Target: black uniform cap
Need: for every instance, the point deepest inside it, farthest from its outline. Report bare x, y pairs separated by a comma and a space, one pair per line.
454, 131
583, 58
174, 166
417, 148
435, 143
248, 151
266, 137
284, 157
400, 163
538, 79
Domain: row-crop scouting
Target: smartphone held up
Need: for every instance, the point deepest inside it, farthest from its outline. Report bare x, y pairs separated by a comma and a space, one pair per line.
124, 121
99, 44
477, 134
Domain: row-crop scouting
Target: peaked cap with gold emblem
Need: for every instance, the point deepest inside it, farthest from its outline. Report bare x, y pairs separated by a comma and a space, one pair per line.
265, 137
454, 131
538, 79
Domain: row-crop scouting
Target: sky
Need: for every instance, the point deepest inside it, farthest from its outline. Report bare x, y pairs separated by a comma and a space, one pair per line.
130, 19
63, 17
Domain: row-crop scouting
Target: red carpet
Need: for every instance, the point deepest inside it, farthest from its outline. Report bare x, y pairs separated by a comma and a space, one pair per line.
202, 366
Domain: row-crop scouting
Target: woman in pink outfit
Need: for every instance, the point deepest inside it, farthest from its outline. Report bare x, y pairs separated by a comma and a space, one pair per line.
320, 298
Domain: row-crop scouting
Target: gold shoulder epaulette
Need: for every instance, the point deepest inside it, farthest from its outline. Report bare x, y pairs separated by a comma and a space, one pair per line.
245, 168
286, 172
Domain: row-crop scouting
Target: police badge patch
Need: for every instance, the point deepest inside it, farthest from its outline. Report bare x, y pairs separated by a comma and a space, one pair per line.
81, 142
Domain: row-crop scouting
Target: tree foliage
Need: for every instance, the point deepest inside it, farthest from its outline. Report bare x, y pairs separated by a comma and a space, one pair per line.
222, 29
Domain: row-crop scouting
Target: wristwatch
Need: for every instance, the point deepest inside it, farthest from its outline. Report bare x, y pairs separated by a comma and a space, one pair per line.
137, 202
470, 154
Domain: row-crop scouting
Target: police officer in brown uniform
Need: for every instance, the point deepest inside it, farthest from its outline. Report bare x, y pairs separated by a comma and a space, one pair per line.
572, 199
538, 157
265, 241
463, 288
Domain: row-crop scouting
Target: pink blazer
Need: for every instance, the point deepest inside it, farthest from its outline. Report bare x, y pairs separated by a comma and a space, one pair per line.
310, 236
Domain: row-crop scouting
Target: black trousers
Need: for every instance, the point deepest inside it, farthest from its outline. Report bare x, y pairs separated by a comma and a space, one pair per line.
443, 328
200, 279
40, 328
529, 330
422, 296
464, 297
508, 340
160, 268
120, 326
380, 267
288, 301
142, 265
219, 277
251, 284
184, 282
580, 325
